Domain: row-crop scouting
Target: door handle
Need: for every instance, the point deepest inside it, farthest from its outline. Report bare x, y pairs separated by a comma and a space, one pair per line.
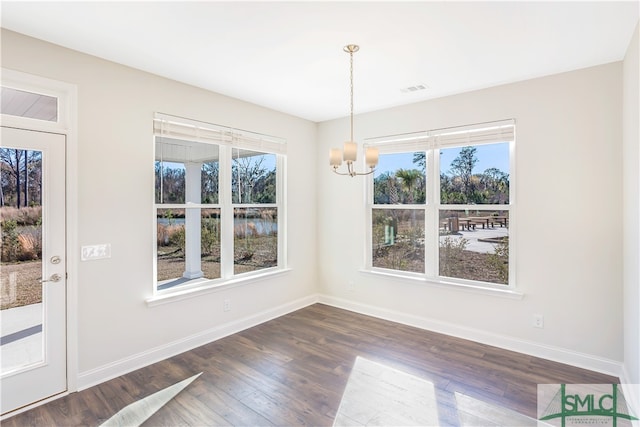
54, 278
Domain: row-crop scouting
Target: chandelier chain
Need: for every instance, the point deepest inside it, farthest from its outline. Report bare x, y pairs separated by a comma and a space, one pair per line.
351, 88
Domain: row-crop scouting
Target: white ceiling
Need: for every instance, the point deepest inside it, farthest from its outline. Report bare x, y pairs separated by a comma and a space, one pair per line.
288, 55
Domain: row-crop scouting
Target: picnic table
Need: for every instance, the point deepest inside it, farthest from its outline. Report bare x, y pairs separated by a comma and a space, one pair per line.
454, 224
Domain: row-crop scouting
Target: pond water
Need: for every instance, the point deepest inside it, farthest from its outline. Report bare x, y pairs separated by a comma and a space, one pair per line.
262, 226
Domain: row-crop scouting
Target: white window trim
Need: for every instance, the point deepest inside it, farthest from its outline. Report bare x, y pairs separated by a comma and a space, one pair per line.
421, 280
431, 142
225, 138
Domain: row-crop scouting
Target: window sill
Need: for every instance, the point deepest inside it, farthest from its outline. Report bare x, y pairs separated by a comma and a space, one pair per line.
443, 284
203, 287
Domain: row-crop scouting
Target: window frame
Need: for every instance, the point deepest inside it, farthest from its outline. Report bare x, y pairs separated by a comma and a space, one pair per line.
63, 92
226, 139
429, 143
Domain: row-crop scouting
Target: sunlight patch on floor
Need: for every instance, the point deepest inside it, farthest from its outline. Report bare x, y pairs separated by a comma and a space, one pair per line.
378, 395
138, 412
474, 412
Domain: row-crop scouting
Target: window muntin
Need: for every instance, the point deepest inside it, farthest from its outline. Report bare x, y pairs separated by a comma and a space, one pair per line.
217, 205
465, 213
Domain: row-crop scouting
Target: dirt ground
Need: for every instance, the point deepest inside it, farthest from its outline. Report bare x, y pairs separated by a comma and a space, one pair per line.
20, 284
474, 266
469, 265
263, 255
170, 267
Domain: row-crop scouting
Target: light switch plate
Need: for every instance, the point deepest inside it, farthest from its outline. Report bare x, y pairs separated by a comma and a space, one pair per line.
91, 252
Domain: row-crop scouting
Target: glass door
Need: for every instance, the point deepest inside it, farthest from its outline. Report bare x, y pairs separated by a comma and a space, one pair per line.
32, 273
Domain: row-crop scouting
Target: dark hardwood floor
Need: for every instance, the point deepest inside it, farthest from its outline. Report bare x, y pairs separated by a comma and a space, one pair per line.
293, 371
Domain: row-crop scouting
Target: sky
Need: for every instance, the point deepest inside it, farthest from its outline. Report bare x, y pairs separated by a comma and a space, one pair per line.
489, 156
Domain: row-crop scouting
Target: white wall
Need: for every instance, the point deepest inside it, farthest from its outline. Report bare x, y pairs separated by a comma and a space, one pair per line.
631, 212
570, 256
115, 181
569, 232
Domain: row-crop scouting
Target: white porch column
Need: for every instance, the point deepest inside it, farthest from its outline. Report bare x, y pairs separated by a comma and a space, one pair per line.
192, 219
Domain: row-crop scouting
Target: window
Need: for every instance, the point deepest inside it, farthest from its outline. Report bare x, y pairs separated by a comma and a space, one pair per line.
218, 203
397, 216
441, 205
255, 211
21, 103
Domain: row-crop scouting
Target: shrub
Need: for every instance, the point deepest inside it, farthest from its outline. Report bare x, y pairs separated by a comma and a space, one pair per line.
24, 216
244, 230
29, 249
10, 241
210, 236
451, 254
176, 236
244, 233
499, 260
163, 235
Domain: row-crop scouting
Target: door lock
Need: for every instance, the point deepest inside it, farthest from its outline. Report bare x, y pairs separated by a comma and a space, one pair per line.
54, 278
55, 259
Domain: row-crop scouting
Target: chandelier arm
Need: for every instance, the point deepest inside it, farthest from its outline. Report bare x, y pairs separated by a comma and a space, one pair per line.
351, 172
366, 173
335, 170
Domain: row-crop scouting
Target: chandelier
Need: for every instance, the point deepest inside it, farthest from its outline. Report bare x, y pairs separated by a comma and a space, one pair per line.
350, 150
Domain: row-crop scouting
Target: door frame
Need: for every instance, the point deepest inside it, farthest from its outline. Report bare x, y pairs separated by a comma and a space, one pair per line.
66, 124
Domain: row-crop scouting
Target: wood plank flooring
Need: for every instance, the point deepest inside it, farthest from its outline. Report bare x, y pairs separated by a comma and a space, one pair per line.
293, 371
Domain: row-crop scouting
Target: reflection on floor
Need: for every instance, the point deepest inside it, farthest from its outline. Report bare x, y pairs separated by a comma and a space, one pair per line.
379, 395
138, 412
21, 342
474, 412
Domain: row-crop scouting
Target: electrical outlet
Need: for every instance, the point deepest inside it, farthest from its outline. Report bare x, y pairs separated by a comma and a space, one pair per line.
538, 321
226, 305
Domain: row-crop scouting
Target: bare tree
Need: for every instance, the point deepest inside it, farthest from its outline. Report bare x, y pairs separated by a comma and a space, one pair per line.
462, 166
12, 158
246, 174
26, 179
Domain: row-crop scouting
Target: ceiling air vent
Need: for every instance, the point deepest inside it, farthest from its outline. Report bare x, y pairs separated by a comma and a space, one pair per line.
415, 88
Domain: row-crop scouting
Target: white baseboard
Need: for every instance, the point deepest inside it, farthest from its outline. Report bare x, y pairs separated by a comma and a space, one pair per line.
120, 367
112, 370
556, 354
